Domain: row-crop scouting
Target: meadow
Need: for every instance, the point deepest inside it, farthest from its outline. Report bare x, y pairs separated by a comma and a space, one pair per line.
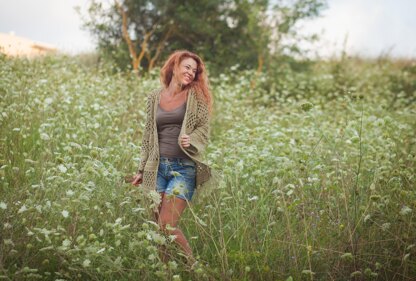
318, 170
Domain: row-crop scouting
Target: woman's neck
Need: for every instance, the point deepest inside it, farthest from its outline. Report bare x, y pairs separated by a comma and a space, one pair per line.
175, 88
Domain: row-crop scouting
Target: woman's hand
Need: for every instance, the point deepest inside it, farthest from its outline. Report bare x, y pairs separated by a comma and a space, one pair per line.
137, 179
185, 140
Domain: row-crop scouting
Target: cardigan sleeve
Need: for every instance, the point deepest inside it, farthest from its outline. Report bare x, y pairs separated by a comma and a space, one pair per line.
144, 152
200, 135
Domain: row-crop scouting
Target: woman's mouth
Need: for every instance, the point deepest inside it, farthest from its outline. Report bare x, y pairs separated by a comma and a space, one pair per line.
189, 79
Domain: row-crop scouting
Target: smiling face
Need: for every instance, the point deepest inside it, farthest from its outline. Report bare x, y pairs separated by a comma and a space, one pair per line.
187, 71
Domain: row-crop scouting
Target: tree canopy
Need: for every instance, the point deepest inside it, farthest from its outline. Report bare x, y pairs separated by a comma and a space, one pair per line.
140, 33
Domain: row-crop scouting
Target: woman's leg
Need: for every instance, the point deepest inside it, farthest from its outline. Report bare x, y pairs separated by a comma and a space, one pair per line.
170, 213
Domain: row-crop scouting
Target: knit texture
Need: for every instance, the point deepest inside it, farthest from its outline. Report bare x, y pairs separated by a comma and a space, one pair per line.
196, 124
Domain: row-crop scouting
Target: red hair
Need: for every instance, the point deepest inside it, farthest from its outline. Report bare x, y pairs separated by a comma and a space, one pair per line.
200, 82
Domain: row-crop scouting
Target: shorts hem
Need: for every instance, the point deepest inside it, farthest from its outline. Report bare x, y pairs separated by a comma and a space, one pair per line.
177, 196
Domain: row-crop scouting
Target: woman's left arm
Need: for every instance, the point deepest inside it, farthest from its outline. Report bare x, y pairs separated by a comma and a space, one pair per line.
199, 137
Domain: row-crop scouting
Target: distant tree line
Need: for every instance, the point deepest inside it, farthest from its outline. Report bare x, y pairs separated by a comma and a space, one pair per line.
141, 33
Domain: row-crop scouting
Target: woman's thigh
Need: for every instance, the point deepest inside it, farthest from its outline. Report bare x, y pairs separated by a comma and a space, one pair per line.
171, 211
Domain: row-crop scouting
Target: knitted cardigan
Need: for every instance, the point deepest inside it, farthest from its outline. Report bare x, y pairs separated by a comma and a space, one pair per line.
195, 124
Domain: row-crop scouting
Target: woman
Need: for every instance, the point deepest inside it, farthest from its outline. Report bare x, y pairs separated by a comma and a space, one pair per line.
175, 136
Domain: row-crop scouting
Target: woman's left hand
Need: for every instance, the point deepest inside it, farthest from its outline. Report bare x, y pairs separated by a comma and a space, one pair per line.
185, 140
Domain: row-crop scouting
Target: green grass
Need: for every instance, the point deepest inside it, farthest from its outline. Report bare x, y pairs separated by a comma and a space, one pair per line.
318, 175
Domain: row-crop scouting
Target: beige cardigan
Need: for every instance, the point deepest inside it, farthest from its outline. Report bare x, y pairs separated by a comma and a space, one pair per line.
195, 124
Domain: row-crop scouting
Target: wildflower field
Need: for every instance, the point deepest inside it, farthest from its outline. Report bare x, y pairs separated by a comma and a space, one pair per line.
318, 175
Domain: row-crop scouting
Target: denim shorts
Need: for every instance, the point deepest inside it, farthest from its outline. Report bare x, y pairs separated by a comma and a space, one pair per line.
176, 176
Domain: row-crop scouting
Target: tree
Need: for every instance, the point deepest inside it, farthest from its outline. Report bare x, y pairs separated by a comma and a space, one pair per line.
270, 22
140, 32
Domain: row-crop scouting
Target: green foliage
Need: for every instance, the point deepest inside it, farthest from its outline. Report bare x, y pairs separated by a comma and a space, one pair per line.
316, 186
323, 81
221, 32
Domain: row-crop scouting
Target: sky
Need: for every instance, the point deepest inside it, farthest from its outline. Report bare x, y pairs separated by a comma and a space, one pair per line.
368, 27
53, 22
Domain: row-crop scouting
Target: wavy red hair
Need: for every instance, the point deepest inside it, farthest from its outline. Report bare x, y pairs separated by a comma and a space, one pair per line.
200, 82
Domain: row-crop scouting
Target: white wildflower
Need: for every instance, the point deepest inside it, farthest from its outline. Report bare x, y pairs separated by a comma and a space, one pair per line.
159, 239
62, 168
65, 213
100, 250
3, 205
44, 136
405, 210
155, 198
172, 265
66, 243
86, 263
8, 242
22, 209
385, 226
48, 101
70, 193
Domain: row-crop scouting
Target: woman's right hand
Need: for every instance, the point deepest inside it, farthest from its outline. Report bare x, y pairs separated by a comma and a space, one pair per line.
137, 179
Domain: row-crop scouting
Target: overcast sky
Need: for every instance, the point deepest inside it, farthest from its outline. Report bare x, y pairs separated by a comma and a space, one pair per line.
372, 27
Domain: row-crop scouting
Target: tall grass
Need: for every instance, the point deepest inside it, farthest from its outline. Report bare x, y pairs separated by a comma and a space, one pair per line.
318, 165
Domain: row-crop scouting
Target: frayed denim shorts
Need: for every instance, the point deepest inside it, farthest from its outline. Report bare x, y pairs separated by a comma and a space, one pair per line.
176, 176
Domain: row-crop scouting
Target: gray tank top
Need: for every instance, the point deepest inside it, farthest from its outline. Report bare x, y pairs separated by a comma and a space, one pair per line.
169, 125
